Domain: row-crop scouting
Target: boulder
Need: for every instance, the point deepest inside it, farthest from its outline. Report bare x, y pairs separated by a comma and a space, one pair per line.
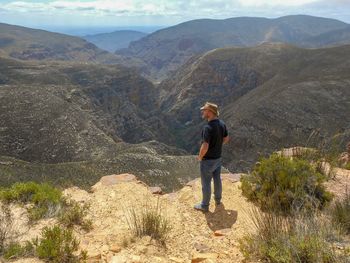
156, 190
113, 179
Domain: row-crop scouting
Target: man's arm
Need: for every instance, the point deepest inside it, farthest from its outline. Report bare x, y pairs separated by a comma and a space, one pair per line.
226, 140
203, 150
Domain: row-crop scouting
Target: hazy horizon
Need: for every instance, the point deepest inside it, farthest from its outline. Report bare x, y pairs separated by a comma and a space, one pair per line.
62, 15
84, 30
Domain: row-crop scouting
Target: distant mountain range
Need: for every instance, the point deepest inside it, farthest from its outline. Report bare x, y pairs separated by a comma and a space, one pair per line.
115, 40
34, 44
165, 50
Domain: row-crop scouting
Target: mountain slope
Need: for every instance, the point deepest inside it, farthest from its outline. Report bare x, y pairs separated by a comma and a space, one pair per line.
165, 50
114, 40
74, 122
270, 95
71, 111
33, 44
333, 38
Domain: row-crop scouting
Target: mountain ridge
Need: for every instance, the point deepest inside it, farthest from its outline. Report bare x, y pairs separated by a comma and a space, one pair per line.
165, 50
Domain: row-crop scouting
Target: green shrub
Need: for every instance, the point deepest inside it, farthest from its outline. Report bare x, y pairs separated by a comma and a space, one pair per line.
74, 214
57, 245
149, 221
45, 198
347, 166
280, 239
340, 213
6, 226
283, 185
15, 250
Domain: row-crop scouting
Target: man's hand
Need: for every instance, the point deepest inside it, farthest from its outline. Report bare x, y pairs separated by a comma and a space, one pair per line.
203, 150
226, 139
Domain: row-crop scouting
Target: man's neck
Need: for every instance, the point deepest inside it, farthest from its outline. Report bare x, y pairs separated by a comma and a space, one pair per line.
212, 118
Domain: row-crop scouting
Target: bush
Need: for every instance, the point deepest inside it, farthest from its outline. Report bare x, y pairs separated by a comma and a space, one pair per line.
340, 213
149, 221
347, 166
45, 198
15, 250
283, 185
6, 226
74, 214
57, 245
281, 239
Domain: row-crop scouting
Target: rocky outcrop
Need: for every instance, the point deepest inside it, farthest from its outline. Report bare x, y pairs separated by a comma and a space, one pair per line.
194, 236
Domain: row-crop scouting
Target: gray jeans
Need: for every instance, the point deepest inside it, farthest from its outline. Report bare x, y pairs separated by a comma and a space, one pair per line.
211, 169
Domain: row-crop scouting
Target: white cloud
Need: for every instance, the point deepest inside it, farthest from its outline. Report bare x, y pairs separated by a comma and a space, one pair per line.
259, 3
128, 7
150, 7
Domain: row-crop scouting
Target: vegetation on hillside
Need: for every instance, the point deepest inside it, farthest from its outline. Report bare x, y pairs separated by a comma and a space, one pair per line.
283, 185
46, 200
295, 222
340, 213
306, 238
149, 220
56, 244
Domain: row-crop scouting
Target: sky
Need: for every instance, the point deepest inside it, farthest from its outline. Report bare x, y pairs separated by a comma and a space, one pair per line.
130, 13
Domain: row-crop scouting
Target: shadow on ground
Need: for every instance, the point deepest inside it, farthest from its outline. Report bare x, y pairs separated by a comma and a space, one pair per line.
221, 218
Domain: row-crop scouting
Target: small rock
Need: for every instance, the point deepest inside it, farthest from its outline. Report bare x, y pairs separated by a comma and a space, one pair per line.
94, 256
175, 259
117, 178
222, 232
192, 183
135, 259
233, 177
115, 248
156, 190
200, 257
104, 248
202, 248
118, 259
142, 249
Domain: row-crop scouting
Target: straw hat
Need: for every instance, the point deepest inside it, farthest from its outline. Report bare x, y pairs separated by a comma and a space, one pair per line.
212, 107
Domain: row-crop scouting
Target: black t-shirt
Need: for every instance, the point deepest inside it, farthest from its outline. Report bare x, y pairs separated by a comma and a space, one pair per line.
213, 133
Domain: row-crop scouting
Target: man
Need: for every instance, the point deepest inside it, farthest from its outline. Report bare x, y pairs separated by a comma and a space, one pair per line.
214, 134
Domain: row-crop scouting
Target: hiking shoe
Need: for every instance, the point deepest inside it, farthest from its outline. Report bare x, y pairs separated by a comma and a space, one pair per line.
201, 208
217, 203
